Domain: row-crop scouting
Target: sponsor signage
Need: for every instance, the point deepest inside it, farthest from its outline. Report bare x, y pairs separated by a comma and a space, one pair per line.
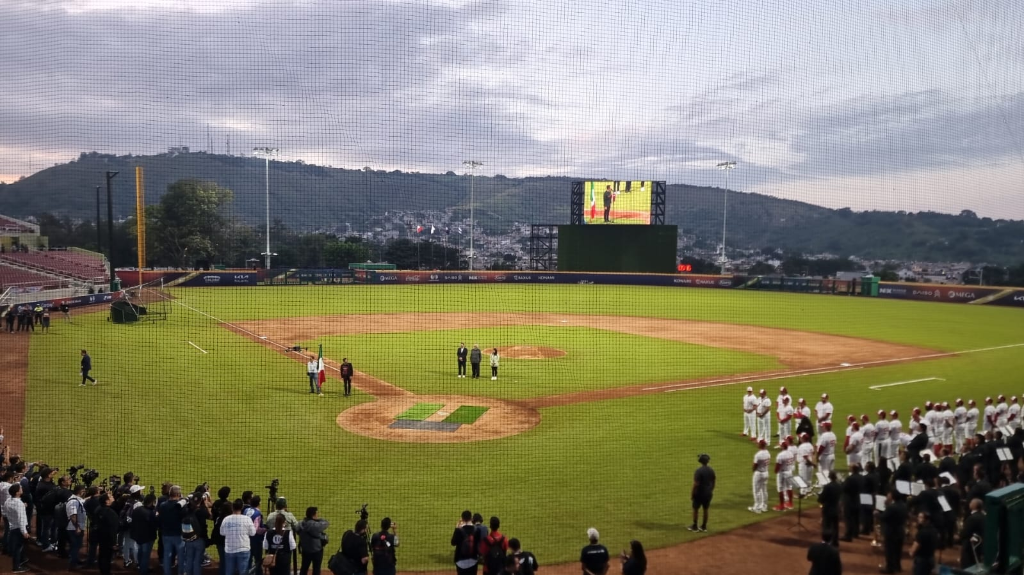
222, 279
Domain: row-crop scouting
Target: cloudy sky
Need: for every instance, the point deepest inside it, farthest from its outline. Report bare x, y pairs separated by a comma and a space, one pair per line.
870, 104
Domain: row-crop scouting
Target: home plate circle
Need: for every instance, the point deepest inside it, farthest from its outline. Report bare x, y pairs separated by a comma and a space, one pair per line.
438, 418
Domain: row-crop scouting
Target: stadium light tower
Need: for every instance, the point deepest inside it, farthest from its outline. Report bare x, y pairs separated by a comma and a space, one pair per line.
472, 165
266, 153
727, 167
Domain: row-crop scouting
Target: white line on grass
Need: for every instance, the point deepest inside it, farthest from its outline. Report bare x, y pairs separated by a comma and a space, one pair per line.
197, 347
704, 384
877, 387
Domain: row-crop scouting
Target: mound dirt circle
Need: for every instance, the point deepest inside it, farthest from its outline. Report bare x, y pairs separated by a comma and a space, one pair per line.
375, 419
530, 352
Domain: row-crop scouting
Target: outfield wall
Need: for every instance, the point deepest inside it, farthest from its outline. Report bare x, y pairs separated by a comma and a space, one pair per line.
978, 295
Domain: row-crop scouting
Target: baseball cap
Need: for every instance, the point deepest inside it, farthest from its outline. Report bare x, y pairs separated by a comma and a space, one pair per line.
750, 388
135, 489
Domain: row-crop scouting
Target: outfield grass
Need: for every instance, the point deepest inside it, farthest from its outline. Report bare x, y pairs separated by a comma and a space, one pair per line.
241, 414
424, 361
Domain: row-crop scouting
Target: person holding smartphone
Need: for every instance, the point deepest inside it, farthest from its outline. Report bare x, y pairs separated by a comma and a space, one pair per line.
634, 562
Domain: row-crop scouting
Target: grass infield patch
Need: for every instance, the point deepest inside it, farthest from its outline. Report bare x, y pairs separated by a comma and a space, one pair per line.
420, 411
466, 414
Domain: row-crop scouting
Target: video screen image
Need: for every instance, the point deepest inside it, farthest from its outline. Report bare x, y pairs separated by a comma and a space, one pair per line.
619, 202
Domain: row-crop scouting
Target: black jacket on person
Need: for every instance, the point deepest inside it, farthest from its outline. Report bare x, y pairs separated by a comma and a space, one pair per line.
459, 536
143, 526
926, 471
354, 547
805, 426
829, 498
905, 472
974, 525
979, 490
824, 560
947, 465
916, 446
106, 521
852, 488
894, 520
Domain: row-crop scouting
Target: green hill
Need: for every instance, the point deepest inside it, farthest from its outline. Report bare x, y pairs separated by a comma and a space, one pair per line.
306, 197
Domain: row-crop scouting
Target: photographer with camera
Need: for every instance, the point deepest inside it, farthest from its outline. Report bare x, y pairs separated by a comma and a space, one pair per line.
382, 546
75, 511
143, 531
48, 505
104, 529
355, 547
312, 540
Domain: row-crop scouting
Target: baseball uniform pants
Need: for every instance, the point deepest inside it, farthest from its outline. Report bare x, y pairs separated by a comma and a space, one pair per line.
783, 482
868, 453
785, 429
827, 463
749, 424
764, 427
760, 484
807, 474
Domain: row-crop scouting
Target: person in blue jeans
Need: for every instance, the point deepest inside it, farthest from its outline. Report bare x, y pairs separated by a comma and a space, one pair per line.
193, 537
256, 542
75, 510
236, 529
169, 517
143, 531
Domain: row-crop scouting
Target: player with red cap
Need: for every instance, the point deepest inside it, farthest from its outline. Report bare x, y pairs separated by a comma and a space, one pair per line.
826, 449
895, 434
989, 421
764, 418
867, 429
750, 402
853, 445
881, 439
784, 463
805, 458
824, 411
960, 420
783, 395
785, 414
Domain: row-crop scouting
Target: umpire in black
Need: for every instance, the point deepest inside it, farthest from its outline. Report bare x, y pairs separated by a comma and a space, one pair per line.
702, 491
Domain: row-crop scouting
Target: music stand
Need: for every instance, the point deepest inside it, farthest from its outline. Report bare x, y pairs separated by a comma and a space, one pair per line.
801, 485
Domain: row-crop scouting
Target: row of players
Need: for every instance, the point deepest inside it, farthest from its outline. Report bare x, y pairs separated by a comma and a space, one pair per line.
877, 443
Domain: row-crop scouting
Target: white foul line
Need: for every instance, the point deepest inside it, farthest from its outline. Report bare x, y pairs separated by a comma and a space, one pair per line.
197, 347
877, 387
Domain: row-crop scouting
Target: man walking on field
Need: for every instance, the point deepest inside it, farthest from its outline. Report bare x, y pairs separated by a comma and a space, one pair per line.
86, 368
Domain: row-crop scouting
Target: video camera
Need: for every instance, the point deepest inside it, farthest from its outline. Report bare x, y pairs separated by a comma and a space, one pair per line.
363, 513
272, 488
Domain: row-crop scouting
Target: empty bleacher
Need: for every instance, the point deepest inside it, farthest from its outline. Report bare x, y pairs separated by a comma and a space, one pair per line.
7, 225
77, 265
26, 279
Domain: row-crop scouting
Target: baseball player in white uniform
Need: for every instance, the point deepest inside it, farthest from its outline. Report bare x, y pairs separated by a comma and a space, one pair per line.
881, 439
948, 424
1002, 410
783, 477
760, 467
854, 445
827, 449
971, 420
895, 434
802, 408
928, 419
1013, 414
805, 457
914, 425
824, 410
960, 421
783, 394
750, 402
850, 419
867, 429
990, 416
764, 418
785, 414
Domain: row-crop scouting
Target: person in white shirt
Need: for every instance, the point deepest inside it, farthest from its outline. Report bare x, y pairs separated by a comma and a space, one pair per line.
827, 449
1001, 411
75, 510
750, 402
854, 445
1013, 414
764, 417
313, 372
785, 415
948, 424
16, 532
881, 439
914, 426
760, 483
960, 422
824, 410
802, 409
805, 457
895, 433
783, 477
867, 450
927, 418
990, 416
971, 420
783, 395
236, 530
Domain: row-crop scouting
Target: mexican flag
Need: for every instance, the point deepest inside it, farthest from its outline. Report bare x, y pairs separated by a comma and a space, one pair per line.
321, 373
593, 202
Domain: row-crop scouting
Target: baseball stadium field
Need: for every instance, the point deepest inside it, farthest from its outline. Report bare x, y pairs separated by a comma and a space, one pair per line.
605, 396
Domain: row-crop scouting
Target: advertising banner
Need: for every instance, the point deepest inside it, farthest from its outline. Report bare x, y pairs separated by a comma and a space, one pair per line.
221, 279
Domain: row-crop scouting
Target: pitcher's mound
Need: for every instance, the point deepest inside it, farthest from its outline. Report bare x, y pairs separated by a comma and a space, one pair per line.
530, 352
437, 419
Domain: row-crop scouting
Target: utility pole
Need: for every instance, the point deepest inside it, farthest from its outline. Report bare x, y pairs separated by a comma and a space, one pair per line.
99, 236
110, 228
472, 165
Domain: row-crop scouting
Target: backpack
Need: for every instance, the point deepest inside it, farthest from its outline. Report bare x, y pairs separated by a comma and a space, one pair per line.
48, 503
495, 558
125, 515
339, 564
381, 550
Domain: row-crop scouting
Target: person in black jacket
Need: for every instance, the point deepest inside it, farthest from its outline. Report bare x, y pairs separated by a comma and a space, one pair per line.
926, 470
474, 359
355, 548
852, 488
143, 531
105, 532
461, 355
905, 470
980, 487
86, 368
634, 562
952, 495
44, 513
824, 557
893, 522
311, 540
829, 499
925, 544
918, 444
465, 545
972, 535
869, 485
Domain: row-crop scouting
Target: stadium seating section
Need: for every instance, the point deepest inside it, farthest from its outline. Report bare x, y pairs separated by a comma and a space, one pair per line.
14, 277
75, 265
8, 225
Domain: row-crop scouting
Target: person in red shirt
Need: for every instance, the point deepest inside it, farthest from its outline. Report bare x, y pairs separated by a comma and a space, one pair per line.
493, 549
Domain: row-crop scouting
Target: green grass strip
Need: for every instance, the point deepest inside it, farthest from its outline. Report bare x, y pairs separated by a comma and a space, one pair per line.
421, 411
466, 414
